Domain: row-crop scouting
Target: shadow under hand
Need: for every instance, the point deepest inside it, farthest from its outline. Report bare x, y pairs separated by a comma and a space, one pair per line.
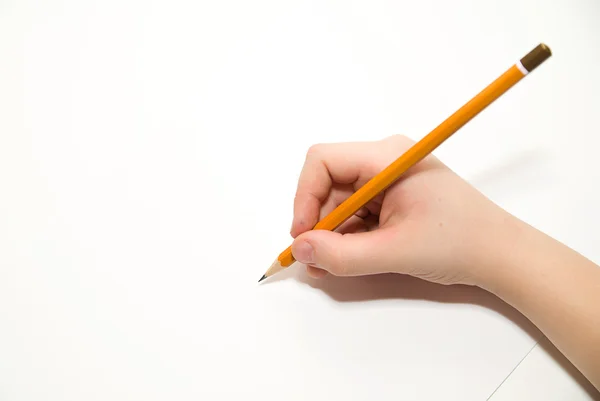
403, 287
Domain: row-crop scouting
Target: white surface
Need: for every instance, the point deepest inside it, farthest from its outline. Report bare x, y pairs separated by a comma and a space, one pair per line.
545, 374
148, 157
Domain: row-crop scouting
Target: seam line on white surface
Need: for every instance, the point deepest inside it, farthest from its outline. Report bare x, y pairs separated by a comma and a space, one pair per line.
511, 372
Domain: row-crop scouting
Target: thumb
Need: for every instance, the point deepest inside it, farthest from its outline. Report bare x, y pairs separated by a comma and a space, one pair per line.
346, 254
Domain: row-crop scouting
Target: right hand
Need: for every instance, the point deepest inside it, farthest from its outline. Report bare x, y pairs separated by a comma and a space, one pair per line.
430, 224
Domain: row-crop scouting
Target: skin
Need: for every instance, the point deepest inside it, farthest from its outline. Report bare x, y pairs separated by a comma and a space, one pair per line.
433, 225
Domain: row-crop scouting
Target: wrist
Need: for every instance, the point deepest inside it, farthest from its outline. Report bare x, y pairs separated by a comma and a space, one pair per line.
501, 252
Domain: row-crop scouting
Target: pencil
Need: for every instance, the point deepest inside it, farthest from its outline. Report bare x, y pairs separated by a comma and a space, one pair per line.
421, 149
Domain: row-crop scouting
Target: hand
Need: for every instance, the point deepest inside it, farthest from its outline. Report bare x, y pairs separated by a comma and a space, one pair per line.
430, 224
433, 225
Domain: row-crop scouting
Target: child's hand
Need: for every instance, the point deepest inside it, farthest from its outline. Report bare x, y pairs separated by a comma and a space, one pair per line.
430, 224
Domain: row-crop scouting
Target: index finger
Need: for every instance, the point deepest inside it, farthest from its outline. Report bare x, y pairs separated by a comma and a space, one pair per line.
343, 163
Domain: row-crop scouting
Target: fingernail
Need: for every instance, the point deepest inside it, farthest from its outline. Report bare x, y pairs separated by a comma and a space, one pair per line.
304, 253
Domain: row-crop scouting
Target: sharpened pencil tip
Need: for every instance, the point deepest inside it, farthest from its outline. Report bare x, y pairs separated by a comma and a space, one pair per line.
275, 267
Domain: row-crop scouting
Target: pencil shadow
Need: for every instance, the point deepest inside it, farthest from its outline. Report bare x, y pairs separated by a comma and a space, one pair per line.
569, 368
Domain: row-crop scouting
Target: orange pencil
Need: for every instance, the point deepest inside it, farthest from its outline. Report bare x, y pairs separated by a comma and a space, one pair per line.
421, 149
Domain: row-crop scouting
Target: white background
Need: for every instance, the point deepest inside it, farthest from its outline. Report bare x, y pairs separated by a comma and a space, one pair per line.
149, 152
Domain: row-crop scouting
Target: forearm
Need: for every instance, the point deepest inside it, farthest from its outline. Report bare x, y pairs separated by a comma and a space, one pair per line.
557, 289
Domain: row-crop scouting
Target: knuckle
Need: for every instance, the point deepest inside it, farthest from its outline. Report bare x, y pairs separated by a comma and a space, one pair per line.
400, 139
399, 142
314, 150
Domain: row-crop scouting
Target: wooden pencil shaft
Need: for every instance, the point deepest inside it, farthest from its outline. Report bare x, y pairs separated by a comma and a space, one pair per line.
418, 151
412, 156
426, 145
